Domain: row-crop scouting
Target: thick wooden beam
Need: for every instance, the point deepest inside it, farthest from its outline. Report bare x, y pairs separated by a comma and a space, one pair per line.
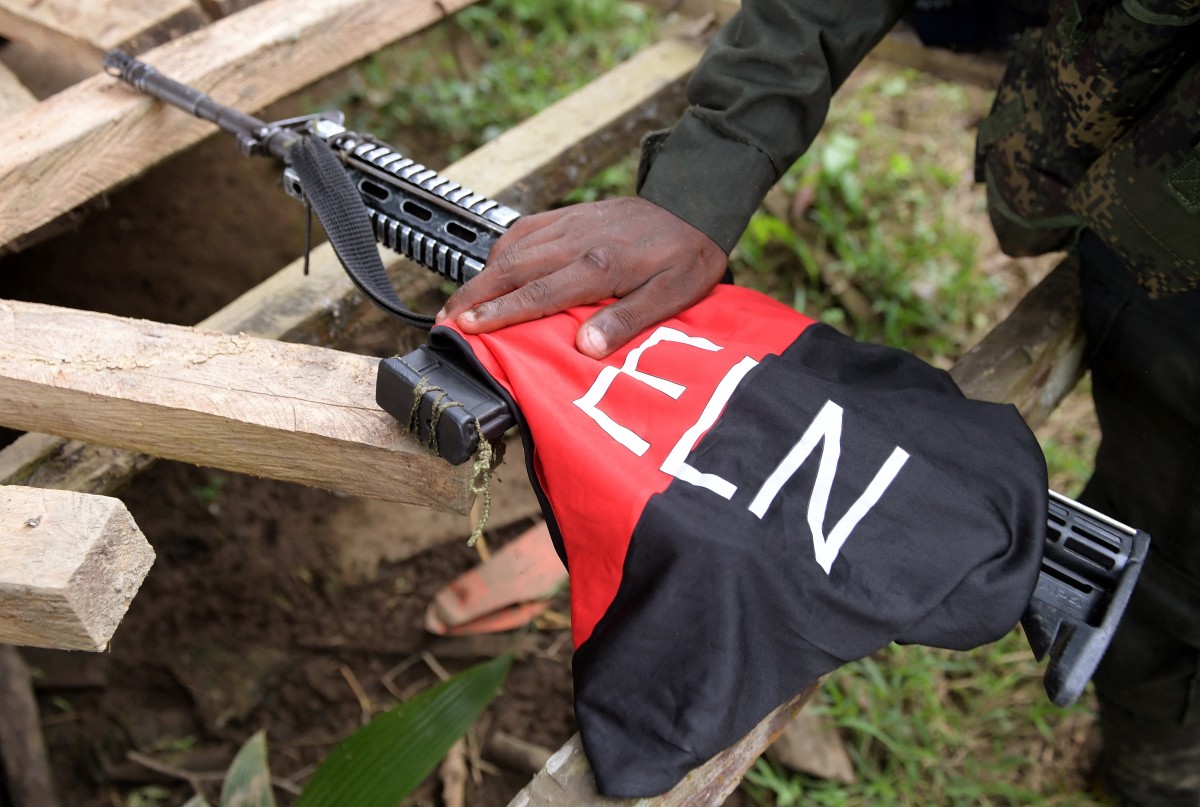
100, 133
550, 152
15, 97
78, 32
567, 777
1034, 358
283, 411
45, 461
70, 564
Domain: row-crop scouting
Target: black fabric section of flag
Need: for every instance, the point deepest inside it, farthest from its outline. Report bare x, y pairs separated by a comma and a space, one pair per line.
722, 615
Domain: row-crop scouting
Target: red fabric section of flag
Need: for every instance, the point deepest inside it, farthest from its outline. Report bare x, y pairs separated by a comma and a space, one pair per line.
668, 379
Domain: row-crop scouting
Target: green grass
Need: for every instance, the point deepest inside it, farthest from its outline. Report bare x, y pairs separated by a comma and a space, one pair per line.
1069, 440
489, 67
925, 726
865, 231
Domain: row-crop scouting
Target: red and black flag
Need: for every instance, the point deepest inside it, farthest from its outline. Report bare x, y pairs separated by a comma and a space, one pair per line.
747, 499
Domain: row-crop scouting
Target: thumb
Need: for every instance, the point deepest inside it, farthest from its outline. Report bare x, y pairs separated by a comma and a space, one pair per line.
614, 325
590, 341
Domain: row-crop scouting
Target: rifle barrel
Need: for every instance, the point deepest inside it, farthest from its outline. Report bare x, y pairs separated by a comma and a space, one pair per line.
250, 130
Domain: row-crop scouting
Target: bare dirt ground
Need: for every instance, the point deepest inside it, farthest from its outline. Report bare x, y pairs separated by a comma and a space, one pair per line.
248, 621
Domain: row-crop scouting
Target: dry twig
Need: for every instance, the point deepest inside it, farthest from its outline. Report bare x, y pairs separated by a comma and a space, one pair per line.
364, 702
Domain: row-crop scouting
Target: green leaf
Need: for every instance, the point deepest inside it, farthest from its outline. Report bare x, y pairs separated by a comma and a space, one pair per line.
839, 155
248, 781
386, 759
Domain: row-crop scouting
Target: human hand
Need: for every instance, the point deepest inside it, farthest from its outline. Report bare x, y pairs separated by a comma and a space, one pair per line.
655, 263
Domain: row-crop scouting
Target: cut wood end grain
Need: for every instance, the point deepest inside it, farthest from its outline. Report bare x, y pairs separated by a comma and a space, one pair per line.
70, 565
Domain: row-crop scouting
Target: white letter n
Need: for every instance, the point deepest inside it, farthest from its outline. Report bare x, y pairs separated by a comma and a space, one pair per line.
827, 427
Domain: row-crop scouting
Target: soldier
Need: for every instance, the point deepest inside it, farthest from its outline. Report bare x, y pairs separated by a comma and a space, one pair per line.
1092, 145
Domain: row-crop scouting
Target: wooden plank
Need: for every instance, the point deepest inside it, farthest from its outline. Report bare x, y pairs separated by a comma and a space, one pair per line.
562, 145
45, 461
70, 564
13, 95
100, 133
568, 779
78, 32
283, 411
1034, 358
55, 24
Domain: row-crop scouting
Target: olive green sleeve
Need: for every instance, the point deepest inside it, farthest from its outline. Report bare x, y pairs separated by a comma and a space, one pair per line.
757, 100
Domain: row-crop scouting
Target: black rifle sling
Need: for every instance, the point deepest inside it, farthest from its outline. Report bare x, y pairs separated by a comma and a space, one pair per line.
342, 213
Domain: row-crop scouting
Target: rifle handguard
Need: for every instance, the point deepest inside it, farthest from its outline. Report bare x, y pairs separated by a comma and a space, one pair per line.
414, 210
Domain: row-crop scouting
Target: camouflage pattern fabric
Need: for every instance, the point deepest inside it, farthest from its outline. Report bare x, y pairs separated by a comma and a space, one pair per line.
1097, 124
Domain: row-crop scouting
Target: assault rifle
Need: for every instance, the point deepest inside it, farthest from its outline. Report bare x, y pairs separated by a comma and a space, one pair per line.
365, 192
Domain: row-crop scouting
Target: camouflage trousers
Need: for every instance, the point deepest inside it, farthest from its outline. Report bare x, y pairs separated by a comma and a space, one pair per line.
1144, 356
